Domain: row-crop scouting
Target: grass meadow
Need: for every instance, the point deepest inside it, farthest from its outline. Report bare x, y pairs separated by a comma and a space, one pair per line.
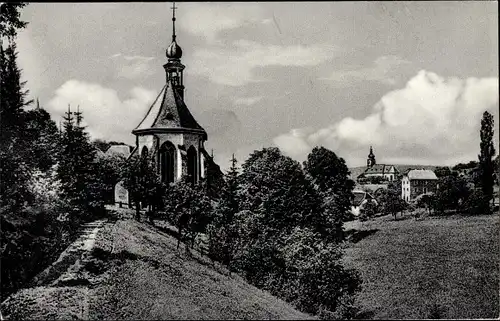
445, 267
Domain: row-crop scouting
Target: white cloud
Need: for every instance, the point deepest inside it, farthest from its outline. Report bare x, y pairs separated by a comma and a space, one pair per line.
208, 19
381, 70
248, 101
432, 120
233, 65
133, 67
105, 114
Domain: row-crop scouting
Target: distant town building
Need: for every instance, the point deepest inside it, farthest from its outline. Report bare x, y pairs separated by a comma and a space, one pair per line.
416, 182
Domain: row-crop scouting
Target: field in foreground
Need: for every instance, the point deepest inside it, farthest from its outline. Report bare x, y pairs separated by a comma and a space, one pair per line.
136, 272
433, 268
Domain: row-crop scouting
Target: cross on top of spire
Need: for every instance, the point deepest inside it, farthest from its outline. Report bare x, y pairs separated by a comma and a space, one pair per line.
173, 20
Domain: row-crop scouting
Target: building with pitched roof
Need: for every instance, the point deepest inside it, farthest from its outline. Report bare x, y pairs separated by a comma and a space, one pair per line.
417, 182
377, 172
169, 133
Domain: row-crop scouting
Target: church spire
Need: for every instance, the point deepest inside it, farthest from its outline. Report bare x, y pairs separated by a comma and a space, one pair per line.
174, 51
174, 68
371, 158
173, 21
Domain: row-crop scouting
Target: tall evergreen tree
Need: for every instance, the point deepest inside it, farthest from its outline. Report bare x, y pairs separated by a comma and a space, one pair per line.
486, 165
14, 171
223, 233
77, 166
10, 19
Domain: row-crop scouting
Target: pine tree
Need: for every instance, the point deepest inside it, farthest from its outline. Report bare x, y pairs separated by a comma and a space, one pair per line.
9, 19
14, 171
223, 234
77, 166
486, 165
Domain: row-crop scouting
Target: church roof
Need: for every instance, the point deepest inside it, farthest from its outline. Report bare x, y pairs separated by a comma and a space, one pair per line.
381, 169
169, 111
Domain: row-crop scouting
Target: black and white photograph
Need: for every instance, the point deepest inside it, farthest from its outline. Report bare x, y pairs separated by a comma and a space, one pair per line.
294, 160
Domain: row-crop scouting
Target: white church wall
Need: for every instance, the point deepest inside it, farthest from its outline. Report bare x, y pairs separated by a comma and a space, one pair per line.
148, 141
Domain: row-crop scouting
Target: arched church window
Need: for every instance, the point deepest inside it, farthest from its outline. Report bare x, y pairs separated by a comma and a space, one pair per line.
192, 168
144, 152
167, 162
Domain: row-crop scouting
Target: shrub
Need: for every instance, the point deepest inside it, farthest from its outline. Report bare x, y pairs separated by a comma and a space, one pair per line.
476, 203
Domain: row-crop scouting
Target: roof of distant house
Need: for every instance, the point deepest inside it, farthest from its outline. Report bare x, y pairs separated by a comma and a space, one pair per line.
123, 150
421, 174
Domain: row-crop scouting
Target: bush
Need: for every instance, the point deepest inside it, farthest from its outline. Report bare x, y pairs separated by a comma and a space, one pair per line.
319, 281
368, 211
476, 203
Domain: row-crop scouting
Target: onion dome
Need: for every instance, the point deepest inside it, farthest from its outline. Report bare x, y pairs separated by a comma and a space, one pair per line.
174, 51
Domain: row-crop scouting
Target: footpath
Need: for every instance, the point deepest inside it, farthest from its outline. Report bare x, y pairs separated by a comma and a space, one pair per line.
61, 282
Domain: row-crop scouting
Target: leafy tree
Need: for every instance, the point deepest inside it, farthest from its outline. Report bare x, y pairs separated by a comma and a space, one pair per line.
475, 204
461, 166
452, 192
142, 182
110, 168
442, 171
316, 281
183, 197
275, 188
331, 175
368, 210
391, 201
426, 201
486, 166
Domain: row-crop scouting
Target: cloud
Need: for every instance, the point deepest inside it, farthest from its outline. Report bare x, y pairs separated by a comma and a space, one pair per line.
208, 19
106, 115
432, 120
248, 101
133, 67
232, 65
382, 70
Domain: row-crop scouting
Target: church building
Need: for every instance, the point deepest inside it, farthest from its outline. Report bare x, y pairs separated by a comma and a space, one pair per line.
374, 171
168, 132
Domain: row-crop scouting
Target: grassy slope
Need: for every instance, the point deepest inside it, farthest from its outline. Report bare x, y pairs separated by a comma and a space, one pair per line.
408, 266
136, 272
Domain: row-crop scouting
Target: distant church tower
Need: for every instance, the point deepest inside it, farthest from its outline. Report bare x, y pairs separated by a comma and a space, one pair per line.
169, 133
371, 159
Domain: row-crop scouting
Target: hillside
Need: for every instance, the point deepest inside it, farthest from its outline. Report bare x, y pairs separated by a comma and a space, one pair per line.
134, 271
446, 267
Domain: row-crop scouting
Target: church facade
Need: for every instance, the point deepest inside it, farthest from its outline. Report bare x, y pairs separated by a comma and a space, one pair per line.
168, 133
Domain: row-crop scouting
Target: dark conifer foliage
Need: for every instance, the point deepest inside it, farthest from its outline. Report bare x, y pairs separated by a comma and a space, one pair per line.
486, 163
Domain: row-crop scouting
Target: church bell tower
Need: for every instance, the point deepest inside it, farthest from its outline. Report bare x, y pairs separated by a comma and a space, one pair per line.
371, 158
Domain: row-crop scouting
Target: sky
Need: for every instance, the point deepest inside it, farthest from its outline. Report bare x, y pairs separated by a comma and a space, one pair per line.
411, 79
